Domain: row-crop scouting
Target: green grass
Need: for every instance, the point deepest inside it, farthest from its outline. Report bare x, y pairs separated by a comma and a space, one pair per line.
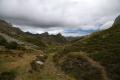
102, 46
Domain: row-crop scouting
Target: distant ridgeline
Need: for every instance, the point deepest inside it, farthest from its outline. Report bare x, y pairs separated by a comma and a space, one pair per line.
42, 40
103, 47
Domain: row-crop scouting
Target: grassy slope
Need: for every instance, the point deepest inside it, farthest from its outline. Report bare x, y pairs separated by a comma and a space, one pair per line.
80, 66
21, 66
12, 62
16, 33
103, 46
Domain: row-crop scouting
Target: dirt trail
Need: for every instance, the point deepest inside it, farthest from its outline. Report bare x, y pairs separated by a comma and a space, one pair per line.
50, 72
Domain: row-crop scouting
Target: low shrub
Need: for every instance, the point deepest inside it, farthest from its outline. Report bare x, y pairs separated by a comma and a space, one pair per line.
12, 45
2, 40
8, 75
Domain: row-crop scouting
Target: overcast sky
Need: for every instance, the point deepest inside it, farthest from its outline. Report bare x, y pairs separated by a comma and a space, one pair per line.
69, 17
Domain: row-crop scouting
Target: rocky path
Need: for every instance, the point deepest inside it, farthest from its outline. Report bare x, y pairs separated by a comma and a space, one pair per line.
50, 72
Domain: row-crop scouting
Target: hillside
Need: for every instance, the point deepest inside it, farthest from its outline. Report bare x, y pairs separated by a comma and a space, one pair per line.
23, 55
42, 40
19, 64
102, 47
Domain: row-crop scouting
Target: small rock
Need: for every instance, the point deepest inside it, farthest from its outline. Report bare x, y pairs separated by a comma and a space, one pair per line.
39, 62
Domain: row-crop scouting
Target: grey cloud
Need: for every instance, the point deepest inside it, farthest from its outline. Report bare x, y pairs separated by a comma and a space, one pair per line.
85, 14
24, 22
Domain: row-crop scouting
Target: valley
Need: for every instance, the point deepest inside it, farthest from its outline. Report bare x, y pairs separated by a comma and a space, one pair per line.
27, 56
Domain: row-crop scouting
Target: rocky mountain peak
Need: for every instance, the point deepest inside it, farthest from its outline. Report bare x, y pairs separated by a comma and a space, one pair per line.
45, 34
59, 34
117, 21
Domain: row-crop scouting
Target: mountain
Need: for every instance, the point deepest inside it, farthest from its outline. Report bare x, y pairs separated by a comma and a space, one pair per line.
102, 47
57, 39
42, 40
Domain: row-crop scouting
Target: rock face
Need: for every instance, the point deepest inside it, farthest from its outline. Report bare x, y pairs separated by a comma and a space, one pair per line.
46, 34
117, 21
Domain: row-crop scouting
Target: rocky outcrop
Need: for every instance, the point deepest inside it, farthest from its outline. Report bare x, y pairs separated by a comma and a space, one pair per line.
117, 21
38, 64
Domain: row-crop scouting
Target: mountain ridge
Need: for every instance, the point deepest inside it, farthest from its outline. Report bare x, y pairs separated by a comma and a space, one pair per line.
41, 40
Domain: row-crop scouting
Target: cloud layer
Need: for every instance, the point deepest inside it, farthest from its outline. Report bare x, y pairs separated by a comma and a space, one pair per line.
60, 14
